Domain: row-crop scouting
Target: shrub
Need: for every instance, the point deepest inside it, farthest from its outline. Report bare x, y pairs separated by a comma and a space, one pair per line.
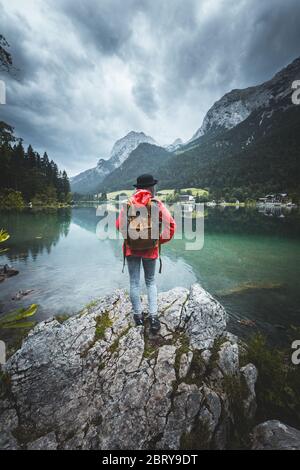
278, 382
11, 199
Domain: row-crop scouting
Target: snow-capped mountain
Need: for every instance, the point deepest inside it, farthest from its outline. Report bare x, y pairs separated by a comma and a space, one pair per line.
89, 180
123, 147
174, 146
243, 140
237, 105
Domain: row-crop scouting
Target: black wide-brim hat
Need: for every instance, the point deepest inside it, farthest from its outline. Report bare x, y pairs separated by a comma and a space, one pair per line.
145, 181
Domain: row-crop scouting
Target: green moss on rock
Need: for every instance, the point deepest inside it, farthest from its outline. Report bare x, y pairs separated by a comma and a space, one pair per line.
278, 383
62, 318
198, 438
197, 370
115, 344
103, 322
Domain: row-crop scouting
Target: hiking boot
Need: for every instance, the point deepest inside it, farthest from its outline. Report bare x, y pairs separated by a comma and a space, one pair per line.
154, 324
139, 320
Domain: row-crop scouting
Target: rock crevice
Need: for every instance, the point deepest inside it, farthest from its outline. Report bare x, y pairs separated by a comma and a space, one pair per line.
96, 381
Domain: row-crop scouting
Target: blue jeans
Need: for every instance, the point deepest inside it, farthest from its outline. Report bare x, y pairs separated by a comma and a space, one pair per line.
134, 268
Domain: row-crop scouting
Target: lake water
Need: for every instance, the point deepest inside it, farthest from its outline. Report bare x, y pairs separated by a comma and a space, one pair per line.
250, 261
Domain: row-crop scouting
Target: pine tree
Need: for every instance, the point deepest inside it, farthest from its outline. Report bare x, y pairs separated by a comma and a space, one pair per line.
36, 178
66, 183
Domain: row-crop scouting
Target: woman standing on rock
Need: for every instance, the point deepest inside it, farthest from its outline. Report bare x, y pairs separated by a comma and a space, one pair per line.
145, 224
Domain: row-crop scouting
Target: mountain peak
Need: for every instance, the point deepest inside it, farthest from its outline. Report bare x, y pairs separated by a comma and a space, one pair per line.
174, 146
134, 133
236, 105
89, 180
124, 146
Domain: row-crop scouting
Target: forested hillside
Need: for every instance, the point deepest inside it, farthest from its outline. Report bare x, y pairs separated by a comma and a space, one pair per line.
247, 146
25, 176
146, 158
228, 164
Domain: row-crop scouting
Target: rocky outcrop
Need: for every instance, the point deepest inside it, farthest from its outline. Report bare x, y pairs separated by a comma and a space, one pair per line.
274, 435
96, 381
234, 107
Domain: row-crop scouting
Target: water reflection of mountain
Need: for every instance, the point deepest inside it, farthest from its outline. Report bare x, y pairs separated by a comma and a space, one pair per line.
32, 232
85, 217
229, 220
240, 224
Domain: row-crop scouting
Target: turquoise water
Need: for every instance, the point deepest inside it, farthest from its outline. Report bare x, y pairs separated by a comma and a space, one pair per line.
250, 261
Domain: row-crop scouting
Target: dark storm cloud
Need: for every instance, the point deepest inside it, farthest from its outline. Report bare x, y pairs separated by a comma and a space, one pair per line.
274, 40
105, 24
19, 28
91, 71
235, 45
144, 94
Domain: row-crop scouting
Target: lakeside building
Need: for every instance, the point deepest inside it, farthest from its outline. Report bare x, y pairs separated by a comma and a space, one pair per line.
211, 203
187, 198
188, 207
187, 202
275, 199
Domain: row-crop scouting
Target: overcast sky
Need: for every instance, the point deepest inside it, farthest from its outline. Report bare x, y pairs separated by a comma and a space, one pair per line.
90, 71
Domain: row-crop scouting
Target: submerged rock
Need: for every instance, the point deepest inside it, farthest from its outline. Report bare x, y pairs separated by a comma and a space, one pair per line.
7, 271
22, 293
96, 381
249, 287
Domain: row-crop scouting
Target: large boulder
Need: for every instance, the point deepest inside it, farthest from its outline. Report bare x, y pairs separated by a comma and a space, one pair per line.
96, 381
274, 435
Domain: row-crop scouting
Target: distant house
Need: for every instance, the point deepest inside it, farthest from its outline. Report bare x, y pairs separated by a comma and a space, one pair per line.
278, 199
188, 207
186, 198
211, 203
284, 199
187, 202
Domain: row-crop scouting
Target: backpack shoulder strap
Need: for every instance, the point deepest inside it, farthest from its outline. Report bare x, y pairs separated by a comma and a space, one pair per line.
128, 204
157, 201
